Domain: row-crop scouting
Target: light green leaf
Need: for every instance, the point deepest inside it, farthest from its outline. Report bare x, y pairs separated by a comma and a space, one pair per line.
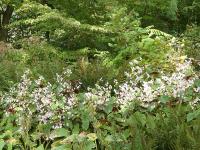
61, 132
89, 145
193, 115
41, 147
2, 144
109, 138
62, 147
76, 129
85, 120
164, 99
92, 136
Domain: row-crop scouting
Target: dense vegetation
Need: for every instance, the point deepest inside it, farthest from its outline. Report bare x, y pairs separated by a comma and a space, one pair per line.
99, 74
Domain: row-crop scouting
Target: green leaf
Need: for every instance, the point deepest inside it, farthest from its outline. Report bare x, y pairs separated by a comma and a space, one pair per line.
44, 128
36, 136
89, 145
70, 138
197, 83
2, 144
109, 107
164, 99
193, 115
109, 138
141, 118
138, 141
126, 133
41, 147
151, 122
62, 147
61, 132
10, 146
85, 120
76, 129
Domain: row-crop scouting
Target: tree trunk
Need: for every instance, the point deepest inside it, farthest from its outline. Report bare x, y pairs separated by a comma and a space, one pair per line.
6, 15
3, 34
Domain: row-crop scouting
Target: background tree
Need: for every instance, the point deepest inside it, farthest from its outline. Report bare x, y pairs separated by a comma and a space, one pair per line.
6, 10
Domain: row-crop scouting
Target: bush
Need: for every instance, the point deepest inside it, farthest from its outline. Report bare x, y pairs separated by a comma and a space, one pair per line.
41, 59
144, 112
192, 42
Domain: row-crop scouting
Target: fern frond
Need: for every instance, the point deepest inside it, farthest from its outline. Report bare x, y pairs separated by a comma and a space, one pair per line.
156, 32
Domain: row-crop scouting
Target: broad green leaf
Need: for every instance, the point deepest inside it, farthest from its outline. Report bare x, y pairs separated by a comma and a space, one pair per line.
62, 147
76, 129
164, 99
61, 132
85, 120
89, 145
150, 122
109, 138
138, 141
141, 118
41, 147
197, 83
109, 107
10, 146
2, 144
193, 115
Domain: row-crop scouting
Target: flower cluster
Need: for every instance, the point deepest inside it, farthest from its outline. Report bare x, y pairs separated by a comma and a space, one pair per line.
46, 102
146, 88
99, 95
55, 103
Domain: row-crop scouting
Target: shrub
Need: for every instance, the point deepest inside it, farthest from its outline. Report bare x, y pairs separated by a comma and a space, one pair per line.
41, 59
192, 42
144, 112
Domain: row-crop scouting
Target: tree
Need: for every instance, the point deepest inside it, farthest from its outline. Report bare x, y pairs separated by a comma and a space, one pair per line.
53, 22
5, 14
7, 8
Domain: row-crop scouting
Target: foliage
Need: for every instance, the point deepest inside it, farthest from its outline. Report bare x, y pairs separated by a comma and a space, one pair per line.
55, 27
42, 59
171, 16
192, 43
58, 116
103, 74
